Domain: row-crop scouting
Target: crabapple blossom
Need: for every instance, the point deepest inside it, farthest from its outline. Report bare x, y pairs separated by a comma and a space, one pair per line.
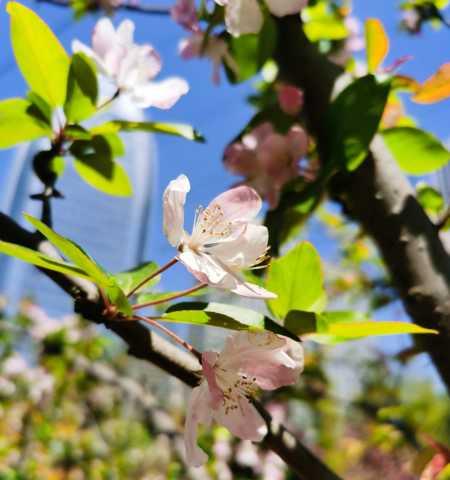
185, 14
245, 16
268, 159
290, 99
223, 241
216, 49
249, 361
131, 67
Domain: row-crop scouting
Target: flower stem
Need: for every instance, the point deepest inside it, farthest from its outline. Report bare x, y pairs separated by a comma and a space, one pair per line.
110, 100
182, 293
153, 275
154, 323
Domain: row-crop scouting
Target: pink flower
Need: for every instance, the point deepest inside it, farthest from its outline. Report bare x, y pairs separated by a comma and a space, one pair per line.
290, 99
248, 362
268, 159
216, 49
184, 13
223, 241
131, 67
245, 16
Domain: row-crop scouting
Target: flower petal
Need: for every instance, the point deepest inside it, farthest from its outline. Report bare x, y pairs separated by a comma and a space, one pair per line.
244, 421
199, 412
163, 94
125, 32
208, 362
203, 267
251, 290
243, 16
103, 37
174, 199
238, 204
280, 8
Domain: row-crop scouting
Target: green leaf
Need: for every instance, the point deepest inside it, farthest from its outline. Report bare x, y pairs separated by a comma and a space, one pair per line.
73, 252
297, 279
40, 260
17, 125
94, 162
430, 198
128, 280
225, 316
118, 298
40, 109
417, 152
82, 89
77, 132
322, 24
39, 54
353, 120
176, 129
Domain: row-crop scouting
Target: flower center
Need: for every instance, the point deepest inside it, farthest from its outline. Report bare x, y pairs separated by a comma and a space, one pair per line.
234, 387
209, 224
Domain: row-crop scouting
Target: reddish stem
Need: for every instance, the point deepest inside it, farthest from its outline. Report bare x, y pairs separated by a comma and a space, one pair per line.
183, 293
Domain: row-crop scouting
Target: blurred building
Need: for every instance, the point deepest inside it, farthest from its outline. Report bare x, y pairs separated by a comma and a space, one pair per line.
112, 230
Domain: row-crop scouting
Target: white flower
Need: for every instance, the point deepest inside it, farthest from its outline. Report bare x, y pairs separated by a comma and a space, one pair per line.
223, 241
130, 66
248, 362
245, 16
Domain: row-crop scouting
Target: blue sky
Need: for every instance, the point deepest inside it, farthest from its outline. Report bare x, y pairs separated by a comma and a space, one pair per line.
218, 112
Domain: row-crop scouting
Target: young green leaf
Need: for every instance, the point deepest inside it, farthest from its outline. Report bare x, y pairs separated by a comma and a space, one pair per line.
353, 120
176, 129
39, 55
128, 280
224, 316
82, 89
298, 280
416, 151
430, 198
321, 23
40, 260
73, 252
17, 125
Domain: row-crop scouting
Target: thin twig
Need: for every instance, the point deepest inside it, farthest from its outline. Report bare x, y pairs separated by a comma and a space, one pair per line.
182, 293
152, 276
154, 323
135, 7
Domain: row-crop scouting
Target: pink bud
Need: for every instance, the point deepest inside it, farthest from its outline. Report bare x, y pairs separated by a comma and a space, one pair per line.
184, 13
290, 99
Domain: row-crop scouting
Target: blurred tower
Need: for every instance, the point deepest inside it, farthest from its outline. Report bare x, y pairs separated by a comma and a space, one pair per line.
112, 230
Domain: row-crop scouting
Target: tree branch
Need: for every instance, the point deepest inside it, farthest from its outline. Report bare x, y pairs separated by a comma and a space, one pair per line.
146, 345
380, 197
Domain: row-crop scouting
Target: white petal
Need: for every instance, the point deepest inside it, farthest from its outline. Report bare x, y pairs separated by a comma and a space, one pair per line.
238, 204
163, 94
174, 199
198, 412
203, 267
103, 37
125, 32
243, 16
251, 290
280, 8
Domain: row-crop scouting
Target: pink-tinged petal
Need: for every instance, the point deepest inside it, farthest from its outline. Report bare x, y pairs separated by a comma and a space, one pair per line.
245, 250
251, 290
243, 17
203, 267
290, 99
184, 13
199, 412
257, 135
280, 8
103, 37
244, 422
174, 199
163, 94
189, 48
297, 141
125, 32
238, 204
209, 360
240, 160
273, 154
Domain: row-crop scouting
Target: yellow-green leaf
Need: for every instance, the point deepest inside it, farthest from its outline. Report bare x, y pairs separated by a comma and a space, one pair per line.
377, 44
40, 56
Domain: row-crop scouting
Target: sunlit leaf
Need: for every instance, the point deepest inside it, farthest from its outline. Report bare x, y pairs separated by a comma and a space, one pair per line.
416, 151
435, 88
128, 280
320, 23
377, 44
297, 279
430, 198
39, 54
223, 315
17, 125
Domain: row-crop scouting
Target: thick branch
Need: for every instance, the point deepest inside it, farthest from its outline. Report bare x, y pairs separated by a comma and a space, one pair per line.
148, 346
380, 197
